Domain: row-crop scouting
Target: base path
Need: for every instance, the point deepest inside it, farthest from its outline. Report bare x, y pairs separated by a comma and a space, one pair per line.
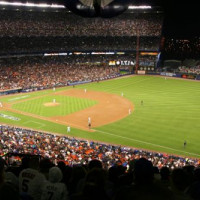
110, 108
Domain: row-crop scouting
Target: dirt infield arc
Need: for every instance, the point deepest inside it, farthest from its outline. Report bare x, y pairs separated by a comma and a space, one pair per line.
110, 108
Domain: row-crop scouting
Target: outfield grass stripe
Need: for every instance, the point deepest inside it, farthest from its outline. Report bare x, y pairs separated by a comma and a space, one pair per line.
148, 143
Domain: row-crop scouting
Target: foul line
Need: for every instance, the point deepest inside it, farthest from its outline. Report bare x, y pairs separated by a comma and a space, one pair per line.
42, 125
146, 142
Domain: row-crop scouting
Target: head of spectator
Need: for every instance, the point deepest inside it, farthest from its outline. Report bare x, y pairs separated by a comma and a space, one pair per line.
94, 164
25, 162
34, 163
131, 165
94, 187
143, 171
61, 165
78, 172
164, 173
45, 165
180, 180
55, 175
12, 179
117, 175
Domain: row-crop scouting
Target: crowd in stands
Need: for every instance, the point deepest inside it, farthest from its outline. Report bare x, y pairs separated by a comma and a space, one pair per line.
28, 24
77, 169
25, 31
72, 43
182, 48
48, 72
149, 43
189, 70
67, 43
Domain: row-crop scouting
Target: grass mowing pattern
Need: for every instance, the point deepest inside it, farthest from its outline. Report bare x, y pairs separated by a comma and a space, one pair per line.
67, 105
170, 115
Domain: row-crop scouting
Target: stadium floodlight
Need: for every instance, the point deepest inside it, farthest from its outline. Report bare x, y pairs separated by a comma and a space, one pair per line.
40, 5
139, 7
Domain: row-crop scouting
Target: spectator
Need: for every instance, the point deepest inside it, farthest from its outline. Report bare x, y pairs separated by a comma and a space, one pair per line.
53, 188
31, 181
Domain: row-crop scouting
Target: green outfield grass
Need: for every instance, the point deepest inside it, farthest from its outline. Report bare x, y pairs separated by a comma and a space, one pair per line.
169, 115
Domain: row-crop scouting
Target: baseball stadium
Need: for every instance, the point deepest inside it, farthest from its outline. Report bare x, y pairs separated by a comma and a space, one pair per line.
95, 96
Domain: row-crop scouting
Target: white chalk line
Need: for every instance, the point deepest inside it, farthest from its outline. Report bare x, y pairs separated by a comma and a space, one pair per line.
149, 143
42, 125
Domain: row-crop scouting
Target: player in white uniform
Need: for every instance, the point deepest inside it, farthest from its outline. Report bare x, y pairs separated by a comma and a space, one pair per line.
89, 122
89, 119
68, 129
129, 111
1, 105
122, 94
31, 180
85, 90
53, 189
54, 100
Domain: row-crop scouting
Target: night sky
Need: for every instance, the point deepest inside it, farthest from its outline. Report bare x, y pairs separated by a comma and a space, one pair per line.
181, 19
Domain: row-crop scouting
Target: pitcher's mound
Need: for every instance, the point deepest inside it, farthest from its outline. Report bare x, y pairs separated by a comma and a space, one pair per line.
50, 104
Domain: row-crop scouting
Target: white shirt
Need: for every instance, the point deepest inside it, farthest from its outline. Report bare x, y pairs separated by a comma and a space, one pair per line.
54, 191
30, 182
68, 129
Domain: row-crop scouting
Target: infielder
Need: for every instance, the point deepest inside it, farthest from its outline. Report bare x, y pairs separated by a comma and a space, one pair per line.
89, 122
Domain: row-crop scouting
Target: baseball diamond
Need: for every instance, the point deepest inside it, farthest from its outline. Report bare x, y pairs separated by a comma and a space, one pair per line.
166, 111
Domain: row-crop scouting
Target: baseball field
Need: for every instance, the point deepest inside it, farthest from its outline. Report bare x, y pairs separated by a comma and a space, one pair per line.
164, 113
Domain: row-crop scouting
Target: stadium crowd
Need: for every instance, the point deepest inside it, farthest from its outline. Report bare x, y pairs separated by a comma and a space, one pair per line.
189, 70
67, 43
26, 31
90, 170
48, 72
28, 24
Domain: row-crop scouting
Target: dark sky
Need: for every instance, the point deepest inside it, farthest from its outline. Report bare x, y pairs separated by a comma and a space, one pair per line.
181, 19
